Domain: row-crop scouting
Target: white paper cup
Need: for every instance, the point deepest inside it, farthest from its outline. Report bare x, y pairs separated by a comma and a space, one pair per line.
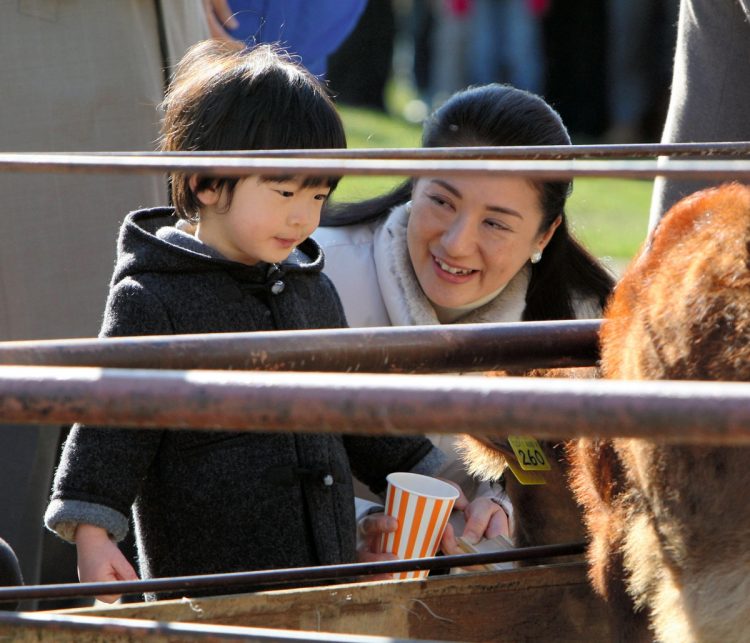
422, 506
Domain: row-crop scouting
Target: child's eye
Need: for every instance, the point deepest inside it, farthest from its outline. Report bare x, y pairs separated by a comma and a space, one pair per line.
321, 197
285, 193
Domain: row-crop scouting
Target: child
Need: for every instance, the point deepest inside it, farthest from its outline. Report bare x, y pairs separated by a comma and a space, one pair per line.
208, 501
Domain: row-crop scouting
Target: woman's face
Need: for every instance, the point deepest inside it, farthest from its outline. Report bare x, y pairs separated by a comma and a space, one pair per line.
468, 237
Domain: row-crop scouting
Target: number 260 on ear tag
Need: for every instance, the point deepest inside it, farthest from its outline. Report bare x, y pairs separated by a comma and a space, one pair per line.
529, 453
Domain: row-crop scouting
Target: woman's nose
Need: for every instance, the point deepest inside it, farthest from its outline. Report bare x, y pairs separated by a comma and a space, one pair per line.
459, 238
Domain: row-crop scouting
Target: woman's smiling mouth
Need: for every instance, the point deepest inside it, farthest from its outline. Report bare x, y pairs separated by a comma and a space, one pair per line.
454, 271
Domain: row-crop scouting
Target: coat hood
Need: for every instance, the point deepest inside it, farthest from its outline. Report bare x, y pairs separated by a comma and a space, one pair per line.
150, 242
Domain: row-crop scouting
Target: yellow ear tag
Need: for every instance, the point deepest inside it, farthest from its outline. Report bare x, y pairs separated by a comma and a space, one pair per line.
529, 453
525, 477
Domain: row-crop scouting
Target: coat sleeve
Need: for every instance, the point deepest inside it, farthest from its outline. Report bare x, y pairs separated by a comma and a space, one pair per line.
101, 468
373, 458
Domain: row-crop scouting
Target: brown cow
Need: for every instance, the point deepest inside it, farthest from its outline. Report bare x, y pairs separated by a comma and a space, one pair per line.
669, 525
669, 529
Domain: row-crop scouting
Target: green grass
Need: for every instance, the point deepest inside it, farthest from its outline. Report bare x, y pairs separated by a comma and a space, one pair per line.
370, 129
609, 216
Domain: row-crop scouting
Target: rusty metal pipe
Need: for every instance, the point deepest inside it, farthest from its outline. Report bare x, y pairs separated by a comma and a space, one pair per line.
266, 579
697, 412
242, 165
405, 349
630, 150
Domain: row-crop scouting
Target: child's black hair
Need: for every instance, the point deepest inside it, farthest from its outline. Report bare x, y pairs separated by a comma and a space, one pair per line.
224, 97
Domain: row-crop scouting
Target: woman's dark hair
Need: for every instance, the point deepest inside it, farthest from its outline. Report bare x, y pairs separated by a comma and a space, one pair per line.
224, 97
501, 115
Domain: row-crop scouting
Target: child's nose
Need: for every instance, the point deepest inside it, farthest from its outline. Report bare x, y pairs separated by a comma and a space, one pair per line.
299, 215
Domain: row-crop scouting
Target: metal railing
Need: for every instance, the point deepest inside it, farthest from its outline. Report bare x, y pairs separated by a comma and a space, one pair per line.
156, 381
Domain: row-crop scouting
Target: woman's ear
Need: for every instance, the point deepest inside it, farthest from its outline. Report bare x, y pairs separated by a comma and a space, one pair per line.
547, 235
208, 194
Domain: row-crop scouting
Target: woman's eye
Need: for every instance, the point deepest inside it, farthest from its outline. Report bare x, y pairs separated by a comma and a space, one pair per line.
438, 200
497, 225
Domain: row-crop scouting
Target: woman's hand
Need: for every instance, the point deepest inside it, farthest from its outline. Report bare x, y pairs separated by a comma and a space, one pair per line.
371, 530
484, 519
100, 560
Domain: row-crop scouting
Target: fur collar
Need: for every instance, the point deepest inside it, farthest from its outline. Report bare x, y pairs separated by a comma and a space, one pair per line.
404, 300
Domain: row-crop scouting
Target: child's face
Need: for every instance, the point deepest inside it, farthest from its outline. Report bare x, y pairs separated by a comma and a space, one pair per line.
265, 220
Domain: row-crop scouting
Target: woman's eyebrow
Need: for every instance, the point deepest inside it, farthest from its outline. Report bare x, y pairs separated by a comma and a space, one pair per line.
500, 209
504, 210
447, 186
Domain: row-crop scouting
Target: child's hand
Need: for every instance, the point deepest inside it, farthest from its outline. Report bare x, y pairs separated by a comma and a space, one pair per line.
100, 560
371, 529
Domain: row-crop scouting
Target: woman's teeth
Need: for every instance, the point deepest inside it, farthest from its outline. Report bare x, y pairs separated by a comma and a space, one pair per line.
451, 269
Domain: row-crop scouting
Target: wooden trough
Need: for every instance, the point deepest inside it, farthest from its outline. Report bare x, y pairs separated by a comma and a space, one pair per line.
537, 603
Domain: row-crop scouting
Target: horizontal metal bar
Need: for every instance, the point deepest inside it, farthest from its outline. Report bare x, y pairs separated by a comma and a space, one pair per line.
404, 349
139, 629
245, 166
266, 579
630, 150
698, 412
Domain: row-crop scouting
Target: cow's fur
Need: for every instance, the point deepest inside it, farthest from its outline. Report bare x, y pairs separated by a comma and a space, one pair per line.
544, 514
670, 525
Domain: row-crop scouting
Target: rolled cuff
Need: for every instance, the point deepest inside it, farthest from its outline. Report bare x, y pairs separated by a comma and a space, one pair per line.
432, 463
64, 516
363, 508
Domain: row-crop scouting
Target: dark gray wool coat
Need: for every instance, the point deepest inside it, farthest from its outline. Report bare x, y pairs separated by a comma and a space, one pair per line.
210, 502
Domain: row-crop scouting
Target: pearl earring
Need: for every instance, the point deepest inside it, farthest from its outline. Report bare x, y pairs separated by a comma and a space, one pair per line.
536, 257
407, 205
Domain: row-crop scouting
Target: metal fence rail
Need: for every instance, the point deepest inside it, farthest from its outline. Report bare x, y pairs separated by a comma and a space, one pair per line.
706, 412
148, 382
404, 349
245, 165
275, 578
630, 150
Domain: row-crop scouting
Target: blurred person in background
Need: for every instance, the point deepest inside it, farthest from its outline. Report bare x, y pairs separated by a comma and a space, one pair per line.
506, 43
575, 41
310, 29
640, 47
451, 34
359, 69
710, 88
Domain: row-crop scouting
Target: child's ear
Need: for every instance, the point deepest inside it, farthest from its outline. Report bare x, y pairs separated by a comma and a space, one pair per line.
208, 194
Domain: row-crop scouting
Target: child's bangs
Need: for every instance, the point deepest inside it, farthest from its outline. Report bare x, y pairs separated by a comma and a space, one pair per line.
305, 181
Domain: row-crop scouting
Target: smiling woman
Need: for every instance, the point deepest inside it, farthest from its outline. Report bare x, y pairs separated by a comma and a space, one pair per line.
489, 249
468, 238
445, 249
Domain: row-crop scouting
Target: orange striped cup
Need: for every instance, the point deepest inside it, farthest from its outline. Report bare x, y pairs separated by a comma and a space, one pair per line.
422, 506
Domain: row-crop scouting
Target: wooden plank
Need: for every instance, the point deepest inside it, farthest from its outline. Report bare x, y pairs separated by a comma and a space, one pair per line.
546, 602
